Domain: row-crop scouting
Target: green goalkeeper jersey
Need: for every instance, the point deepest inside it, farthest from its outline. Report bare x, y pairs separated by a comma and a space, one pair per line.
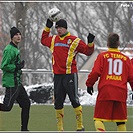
11, 56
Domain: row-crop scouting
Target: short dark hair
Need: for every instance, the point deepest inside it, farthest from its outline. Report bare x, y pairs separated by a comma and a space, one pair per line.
113, 40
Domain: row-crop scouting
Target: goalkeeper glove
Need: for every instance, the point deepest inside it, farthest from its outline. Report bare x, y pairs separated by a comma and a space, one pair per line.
49, 23
90, 90
20, 66
90, 38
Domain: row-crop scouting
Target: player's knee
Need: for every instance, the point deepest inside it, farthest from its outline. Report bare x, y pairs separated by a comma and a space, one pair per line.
7, 108
58, 105
26, 104
75, 104
119, 123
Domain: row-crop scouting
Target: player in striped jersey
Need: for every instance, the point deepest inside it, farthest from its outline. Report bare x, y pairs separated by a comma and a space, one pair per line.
64, 48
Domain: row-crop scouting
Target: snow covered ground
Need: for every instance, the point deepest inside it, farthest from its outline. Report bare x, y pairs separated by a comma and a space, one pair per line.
84, 97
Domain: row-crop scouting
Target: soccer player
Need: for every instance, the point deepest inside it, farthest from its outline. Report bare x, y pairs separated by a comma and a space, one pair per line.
132, 73
64, 48
11, 66
113, 70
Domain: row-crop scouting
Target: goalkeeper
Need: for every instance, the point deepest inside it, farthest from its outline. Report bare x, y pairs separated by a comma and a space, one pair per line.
64, 48
114, 70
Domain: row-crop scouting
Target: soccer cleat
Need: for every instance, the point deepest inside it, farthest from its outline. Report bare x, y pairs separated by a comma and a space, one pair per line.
81, 129
24, 130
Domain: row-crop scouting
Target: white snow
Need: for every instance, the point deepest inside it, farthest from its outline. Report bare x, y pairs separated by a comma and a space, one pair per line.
84, 97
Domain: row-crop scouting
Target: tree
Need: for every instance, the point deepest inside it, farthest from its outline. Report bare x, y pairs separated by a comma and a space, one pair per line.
99, 18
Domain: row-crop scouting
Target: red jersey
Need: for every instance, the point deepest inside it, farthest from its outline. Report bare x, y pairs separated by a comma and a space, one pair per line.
131, 84
132, 60
114, 70
64, 49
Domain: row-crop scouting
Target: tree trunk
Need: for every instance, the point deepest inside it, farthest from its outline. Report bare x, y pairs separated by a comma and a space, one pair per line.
20, 22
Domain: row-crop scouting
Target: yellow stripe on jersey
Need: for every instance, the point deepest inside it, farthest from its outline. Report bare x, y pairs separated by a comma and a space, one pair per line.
71, 54
52, 44
52, 49
62, 38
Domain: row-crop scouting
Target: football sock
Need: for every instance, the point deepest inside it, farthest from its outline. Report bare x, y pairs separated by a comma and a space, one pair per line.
59, 117
79, 119
121, 127
99, 126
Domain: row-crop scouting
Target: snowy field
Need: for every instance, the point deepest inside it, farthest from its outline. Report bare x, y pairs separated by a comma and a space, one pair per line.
46, 90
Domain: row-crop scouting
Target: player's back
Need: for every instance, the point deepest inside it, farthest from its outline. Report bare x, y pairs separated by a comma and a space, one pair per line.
115, 73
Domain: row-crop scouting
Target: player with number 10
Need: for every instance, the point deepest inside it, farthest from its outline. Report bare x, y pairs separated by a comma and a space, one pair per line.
114, 70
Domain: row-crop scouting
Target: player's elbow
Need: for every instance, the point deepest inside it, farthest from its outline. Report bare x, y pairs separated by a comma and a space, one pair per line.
90, 52
41, 40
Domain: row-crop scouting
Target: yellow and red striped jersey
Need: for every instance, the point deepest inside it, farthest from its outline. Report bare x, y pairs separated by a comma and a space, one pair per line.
64, 50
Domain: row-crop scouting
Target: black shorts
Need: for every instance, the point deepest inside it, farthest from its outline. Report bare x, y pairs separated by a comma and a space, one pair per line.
66, 84
15, 93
